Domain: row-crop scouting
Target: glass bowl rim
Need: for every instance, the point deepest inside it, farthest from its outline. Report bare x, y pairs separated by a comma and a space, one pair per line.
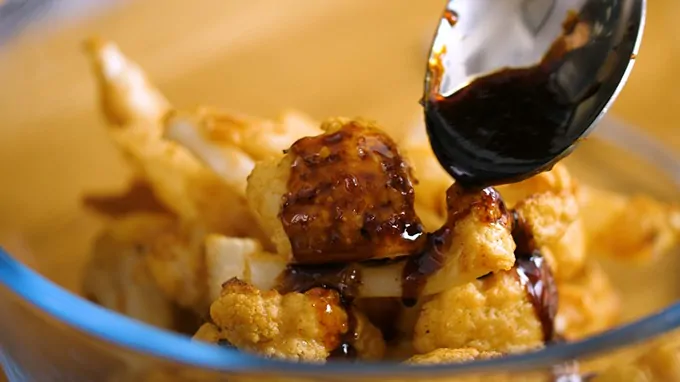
129, 334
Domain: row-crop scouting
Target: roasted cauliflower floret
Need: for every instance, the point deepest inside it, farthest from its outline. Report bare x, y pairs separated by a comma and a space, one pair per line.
491, 314
588, 304
567, 255
444, 355
297, 326
117, 276
177, 262
242, 258
658, 362
628, 227
474, 241
348, 196
548, 215
554, 181
135, 109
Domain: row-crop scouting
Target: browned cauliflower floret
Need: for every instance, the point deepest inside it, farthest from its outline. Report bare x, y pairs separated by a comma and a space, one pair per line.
567, 255
548, 215
347, 196
659, 362
444, 355
588, 304
242, 258
628, 228
117, 275
177, 262
556, 180
298, 326
135, 109
267, 184
491, 314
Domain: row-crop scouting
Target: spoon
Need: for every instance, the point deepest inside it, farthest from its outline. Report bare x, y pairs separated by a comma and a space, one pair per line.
512, 86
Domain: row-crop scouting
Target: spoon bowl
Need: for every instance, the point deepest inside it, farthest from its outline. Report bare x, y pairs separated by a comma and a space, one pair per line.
512, 86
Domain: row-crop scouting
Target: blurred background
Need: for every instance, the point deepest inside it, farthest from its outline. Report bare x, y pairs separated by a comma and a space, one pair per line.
328, 57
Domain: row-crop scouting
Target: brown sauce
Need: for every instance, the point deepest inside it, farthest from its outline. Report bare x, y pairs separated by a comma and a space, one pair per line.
508, 125
350, 198
139, 197
535, 276
460, 203
343, 278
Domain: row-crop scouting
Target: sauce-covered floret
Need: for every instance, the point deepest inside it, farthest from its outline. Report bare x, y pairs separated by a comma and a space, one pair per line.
350, 196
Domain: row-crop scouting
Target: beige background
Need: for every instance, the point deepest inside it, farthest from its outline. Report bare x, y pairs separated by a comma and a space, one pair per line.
347, 57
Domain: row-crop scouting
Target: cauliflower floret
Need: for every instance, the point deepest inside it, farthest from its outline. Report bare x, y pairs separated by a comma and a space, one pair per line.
444, 355
659, 362
588, 304
567, 255
177, 262
242, 258
297, 326
556, 181
491, 314
117, 276
266, 186
344, 195
135, 110
548, 215
628, 228
475, 239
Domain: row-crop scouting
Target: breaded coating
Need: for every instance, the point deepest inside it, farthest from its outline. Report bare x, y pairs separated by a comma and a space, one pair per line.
296, 326
117, 276
628, 228
588, 304
491, 314
348, 197
444, 355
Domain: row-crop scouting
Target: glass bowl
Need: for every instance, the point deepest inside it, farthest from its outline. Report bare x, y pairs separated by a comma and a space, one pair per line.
53, 149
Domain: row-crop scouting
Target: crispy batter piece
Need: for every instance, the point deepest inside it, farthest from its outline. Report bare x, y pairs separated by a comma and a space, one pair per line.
492, 314
297, 326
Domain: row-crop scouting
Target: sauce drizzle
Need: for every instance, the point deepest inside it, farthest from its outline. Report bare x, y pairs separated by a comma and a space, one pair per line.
535, 276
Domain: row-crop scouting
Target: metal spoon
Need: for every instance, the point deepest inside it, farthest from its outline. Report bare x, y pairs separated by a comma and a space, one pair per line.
513, 85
